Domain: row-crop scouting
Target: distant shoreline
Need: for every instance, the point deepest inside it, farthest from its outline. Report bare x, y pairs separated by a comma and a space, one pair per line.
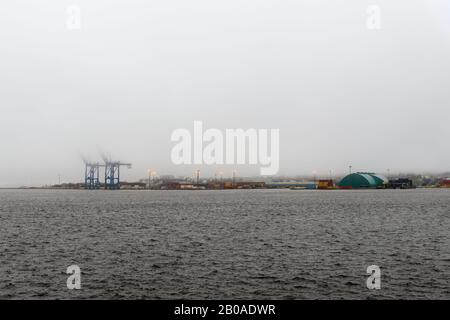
143, 190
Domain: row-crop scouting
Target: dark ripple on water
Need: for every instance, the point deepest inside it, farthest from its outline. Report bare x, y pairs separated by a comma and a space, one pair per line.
255, 244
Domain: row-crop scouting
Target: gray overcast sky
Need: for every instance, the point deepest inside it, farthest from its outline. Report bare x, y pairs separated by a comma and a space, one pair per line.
136, 70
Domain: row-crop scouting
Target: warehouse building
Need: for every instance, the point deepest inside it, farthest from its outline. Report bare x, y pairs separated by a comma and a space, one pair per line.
363, 180
401, 183
445, 183
325, 184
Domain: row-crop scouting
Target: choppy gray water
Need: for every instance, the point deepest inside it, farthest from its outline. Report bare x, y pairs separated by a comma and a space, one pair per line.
225, 244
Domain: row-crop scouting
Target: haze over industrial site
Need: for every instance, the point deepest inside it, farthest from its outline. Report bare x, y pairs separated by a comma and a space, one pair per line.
340, 94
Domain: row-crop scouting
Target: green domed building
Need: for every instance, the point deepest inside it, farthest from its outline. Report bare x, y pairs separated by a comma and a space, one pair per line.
363, 180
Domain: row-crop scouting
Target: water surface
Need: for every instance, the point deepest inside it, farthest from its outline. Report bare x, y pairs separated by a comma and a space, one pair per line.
236, 244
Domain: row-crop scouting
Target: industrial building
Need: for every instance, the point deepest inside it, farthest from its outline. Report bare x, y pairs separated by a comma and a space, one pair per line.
445, 183
363, 180
401, 183
183, 185
294, 185
325, 184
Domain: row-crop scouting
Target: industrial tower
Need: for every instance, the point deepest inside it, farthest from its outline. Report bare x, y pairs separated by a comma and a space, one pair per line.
112, 174
91, 175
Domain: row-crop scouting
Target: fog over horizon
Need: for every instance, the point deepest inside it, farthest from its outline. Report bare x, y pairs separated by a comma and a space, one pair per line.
340, 93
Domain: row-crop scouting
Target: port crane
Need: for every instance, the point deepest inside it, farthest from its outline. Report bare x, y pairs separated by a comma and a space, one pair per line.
92, 175
112, 173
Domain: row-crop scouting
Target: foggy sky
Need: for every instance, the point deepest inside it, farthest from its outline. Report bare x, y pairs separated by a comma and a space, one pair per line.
340, 94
